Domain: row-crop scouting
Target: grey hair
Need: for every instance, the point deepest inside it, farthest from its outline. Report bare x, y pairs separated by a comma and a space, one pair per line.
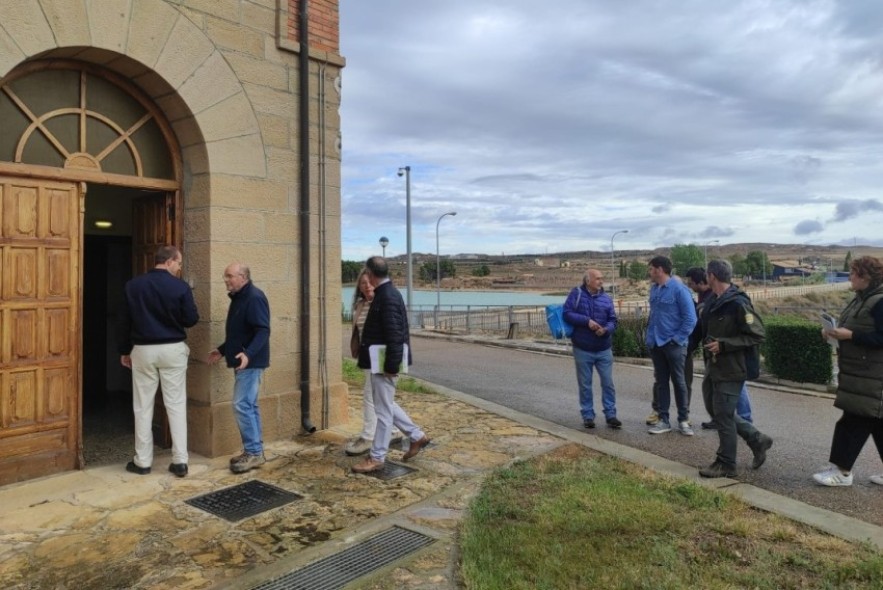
722, 269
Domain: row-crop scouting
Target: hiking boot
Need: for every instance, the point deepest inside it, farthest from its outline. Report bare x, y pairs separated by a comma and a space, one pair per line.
833, 477
652, 419
589, 423
247, 462
877, 479
710, 425
238, 457
358, 446
660, 428
614, 422
760, 448
717, 469
685, 428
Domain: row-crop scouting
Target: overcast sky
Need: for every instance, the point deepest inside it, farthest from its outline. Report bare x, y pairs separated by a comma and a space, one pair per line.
548, 126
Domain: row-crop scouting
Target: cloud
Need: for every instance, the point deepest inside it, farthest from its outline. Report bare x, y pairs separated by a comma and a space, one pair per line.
808, 227
551, 130
846, 210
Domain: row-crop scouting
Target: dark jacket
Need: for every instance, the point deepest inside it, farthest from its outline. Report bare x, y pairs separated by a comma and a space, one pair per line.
860, 381
386, 323
248, 328
579, 307
729, 318
696, 335
158, 308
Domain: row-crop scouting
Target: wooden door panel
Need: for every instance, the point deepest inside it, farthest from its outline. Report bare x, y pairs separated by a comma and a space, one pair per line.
153, 226
40, 224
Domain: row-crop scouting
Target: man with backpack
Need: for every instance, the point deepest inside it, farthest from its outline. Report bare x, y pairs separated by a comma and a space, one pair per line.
731, 332
590, 311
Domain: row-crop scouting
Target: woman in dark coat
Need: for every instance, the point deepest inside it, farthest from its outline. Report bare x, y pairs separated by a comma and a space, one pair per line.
860, 384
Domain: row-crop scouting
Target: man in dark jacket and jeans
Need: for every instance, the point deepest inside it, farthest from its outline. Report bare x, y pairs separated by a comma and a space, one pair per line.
729, 329
247, 351
159, 306
387, 325
590, 311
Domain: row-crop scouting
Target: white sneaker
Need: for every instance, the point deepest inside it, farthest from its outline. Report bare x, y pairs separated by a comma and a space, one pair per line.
686, 429
833, 477
358, 446
877, 479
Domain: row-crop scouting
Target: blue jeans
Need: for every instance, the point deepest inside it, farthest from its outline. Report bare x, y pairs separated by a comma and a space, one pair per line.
603, 362
668, 365
245, 406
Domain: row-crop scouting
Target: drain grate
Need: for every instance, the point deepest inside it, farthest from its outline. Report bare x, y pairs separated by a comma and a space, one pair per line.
243, 500
338, 570
391, 471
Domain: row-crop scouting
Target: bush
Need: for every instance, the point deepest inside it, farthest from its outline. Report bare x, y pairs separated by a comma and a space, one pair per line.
629, 337
795, 350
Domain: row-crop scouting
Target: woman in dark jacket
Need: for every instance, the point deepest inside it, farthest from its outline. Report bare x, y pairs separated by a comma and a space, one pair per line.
860, 384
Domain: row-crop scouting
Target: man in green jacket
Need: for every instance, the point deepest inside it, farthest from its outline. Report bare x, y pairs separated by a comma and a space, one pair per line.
730, 329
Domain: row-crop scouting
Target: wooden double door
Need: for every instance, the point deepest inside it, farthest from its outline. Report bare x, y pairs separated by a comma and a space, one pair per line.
41, 256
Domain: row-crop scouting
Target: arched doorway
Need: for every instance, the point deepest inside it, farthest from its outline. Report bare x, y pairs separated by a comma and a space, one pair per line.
80, 148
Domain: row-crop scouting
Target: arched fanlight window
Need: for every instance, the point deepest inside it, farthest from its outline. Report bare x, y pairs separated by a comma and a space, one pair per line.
74, 116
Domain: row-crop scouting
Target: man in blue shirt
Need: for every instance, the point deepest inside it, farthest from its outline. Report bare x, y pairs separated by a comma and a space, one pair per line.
672, 318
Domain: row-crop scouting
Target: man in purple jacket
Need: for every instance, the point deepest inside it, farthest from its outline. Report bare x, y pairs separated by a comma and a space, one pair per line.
590, 311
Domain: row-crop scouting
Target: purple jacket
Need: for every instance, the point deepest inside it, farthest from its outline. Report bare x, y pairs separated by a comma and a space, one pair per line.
582, 305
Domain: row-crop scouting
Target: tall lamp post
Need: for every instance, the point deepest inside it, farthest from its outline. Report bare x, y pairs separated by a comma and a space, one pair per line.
613, 265
438, 268
706, 250
384, 242
406, 172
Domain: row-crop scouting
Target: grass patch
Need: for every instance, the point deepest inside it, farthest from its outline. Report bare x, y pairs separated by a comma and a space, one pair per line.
354, 376
575, 519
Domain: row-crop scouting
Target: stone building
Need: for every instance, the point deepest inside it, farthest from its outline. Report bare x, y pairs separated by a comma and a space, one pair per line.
128, 124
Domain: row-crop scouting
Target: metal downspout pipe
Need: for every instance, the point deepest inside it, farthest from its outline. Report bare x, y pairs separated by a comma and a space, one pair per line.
305, 217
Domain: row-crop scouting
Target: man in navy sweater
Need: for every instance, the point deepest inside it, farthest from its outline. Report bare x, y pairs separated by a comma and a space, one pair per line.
247, 351
159, 308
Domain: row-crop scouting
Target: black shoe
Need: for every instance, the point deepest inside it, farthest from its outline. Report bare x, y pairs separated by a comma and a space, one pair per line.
717, 469
614, 422
712, 425
760, 448
178, 469
132, 468
588, 423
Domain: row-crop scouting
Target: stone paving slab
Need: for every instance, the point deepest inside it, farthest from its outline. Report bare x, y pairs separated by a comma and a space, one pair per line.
104, 528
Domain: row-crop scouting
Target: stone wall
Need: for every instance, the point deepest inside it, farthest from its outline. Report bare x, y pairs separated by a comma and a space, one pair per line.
227, 80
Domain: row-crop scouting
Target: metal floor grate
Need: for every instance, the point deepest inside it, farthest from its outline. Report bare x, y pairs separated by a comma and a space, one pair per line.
243, 500
338, 570
391, 471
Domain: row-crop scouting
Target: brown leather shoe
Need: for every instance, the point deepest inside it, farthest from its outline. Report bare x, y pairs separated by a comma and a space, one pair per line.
415, 447
369, 465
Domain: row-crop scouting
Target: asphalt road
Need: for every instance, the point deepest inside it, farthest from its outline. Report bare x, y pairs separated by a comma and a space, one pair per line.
544, 385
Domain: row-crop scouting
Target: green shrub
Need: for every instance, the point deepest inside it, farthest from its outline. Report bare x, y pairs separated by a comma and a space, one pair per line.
629, 337
795, 350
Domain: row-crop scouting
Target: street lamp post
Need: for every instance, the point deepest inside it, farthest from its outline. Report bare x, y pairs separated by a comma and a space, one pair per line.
706, 250
406, 172
438, 268
384, 242
613, 265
